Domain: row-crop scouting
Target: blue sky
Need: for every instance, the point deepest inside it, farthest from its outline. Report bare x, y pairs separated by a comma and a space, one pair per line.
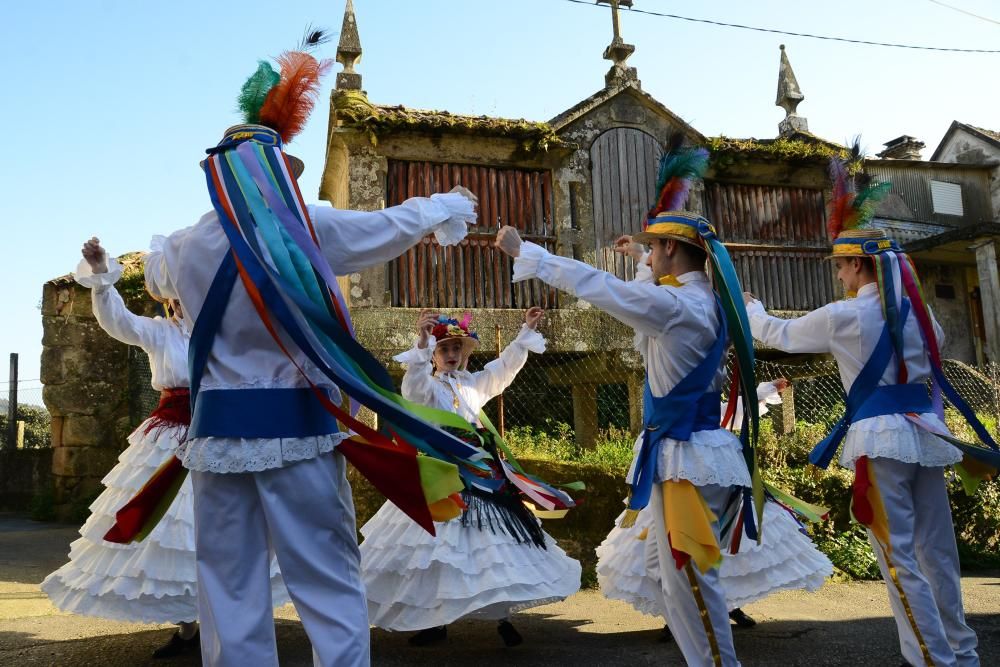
110, 103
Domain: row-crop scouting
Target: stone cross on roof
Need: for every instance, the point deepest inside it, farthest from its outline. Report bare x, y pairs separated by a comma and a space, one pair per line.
618, 51
349, 51
788, 98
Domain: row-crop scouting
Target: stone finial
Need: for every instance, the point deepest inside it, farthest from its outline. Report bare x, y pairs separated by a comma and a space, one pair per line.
902, 148
349, 51
788, 98
618, 51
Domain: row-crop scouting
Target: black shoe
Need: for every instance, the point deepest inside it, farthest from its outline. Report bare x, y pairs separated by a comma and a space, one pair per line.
178, 646
666, 637
741, 618
429, 636
510, 636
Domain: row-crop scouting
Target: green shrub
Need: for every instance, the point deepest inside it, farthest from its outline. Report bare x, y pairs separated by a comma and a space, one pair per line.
849, 550
37, 426
784, 462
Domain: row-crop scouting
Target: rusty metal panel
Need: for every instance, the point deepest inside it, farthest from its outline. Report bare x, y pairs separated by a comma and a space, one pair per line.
472, 274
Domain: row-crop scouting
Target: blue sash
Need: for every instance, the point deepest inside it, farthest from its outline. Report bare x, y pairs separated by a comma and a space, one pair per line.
686, 408
867, 399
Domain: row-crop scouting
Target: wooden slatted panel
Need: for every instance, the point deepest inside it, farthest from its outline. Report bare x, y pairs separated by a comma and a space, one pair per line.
624, 164
472, 274
788, 270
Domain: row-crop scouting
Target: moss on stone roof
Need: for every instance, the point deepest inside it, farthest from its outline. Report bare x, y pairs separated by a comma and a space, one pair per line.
354, 110
787, 150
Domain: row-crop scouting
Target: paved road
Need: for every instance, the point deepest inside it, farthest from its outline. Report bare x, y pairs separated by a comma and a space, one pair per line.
842, 624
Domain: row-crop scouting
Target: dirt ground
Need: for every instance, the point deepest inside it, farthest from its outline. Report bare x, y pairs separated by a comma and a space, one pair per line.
842, 624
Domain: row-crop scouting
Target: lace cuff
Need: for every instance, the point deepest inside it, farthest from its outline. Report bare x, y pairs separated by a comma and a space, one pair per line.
768, 393
530, 340
461, 213
755, 307
416, 355
98, 281
528, 262
643, 272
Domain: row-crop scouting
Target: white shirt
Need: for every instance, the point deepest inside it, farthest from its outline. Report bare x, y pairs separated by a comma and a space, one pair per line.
849, 330
470, 390
244, 355
164, 341
676, 326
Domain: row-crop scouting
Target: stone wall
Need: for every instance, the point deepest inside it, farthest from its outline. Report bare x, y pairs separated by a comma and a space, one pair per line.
967, 149
952, 312
85, 373
24, 474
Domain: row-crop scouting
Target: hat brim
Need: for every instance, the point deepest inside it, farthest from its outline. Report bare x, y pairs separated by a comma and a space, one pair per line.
298, 166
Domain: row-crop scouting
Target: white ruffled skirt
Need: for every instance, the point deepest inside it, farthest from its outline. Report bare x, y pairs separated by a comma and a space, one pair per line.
415, 581
153, 581
628, 568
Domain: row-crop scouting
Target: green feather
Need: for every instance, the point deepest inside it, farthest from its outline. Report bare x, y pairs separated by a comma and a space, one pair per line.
255, 91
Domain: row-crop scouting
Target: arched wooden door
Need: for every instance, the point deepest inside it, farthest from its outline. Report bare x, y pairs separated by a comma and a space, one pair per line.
624, 162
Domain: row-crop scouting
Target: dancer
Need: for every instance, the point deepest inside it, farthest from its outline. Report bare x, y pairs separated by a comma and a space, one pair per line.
494, 560
270, 346
627, 567
886, 344
700, 470
152, 581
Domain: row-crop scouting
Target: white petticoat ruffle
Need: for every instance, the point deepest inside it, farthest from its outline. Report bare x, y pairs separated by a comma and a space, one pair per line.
714, 456
414, 580
232, 455
895, 437
628, 568
153, 581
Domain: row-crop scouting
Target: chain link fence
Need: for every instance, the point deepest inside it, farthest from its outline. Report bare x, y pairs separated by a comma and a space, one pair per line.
584, 395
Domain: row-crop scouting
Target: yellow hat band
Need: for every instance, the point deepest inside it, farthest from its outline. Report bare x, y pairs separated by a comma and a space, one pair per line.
674, 229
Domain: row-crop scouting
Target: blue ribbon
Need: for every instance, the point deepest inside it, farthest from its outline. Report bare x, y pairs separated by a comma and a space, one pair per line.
676, 414
863, 388
205, 331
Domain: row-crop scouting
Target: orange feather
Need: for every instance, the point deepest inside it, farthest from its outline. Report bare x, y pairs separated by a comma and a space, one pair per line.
289, 103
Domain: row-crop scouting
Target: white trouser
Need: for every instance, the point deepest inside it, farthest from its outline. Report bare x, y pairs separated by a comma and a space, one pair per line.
304, 512
925, 557
683, 610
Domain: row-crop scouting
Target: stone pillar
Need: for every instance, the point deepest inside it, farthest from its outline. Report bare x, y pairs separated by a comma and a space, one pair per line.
788, 410
585, 414
636, 385
85, 378
989, 290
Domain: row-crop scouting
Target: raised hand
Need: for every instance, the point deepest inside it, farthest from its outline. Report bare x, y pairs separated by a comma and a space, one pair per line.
533, 316
625, 246
425, 324
95, 255
509, 241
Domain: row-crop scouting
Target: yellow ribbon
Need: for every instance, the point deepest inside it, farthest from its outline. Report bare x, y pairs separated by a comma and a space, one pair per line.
688, 521
670, 281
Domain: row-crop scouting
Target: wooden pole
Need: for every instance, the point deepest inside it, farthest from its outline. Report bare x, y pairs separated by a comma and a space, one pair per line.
500, 420
12, 403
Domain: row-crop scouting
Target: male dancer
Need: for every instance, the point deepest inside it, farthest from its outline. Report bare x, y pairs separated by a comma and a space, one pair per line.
913, 539
256, 277
697, 466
